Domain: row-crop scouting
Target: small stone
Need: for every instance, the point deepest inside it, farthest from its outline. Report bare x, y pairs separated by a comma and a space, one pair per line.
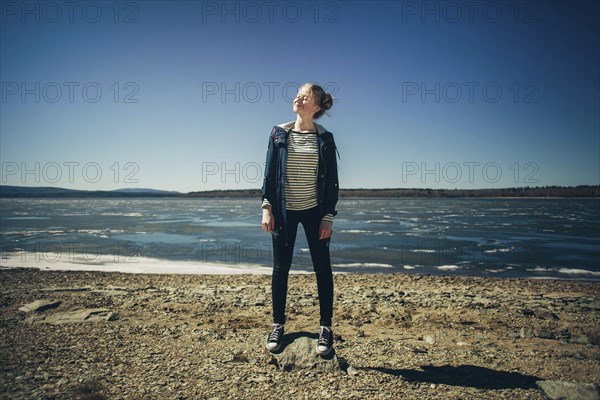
218, 378
560, 390
39, 305
112, 316
525, 333
429, 339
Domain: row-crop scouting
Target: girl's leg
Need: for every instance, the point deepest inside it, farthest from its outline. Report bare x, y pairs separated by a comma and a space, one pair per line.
282, 261
319, 253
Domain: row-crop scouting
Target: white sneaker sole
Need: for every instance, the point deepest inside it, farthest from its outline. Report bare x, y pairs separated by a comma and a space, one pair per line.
324, 353
273, 349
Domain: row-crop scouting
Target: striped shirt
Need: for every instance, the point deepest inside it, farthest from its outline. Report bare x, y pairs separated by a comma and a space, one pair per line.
301, 172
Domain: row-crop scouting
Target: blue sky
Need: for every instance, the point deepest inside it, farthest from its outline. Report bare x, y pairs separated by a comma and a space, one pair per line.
182, 95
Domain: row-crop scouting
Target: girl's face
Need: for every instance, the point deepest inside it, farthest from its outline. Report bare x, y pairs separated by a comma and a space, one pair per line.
304, 103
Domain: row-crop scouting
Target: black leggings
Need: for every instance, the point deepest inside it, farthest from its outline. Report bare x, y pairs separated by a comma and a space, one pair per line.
319, 253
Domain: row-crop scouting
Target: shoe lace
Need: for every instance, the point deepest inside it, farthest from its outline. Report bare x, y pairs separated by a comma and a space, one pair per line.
275, 334
325, 337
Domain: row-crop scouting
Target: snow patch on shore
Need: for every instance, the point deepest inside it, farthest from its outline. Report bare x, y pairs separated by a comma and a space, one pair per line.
363, 265
134, 264
447, 267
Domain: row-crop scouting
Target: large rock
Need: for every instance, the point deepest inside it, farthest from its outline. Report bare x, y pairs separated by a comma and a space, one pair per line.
301, 354
559, 390
68, 317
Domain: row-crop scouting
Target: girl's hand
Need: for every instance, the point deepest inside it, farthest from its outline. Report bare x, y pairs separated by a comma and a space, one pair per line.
325, 229
268, 221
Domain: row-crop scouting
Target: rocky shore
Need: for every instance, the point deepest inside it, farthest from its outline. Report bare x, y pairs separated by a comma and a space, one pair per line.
108, 335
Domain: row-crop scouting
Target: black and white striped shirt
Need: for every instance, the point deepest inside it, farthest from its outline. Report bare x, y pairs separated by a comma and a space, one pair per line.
301, 172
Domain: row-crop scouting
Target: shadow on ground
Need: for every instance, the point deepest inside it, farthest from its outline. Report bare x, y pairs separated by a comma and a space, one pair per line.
290, 337
464, 375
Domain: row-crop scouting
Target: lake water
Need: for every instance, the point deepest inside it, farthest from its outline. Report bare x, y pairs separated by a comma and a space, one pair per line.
546, 238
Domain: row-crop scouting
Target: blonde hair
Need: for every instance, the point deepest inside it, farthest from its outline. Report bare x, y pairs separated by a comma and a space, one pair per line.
323, 99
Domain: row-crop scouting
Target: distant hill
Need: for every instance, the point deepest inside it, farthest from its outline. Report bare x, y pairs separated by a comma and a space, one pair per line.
156, 191
27, 191
18, 191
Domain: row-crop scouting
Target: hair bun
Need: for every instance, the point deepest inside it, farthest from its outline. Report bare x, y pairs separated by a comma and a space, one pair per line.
327, 101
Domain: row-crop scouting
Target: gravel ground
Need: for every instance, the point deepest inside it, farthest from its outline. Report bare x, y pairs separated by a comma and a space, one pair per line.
98, 335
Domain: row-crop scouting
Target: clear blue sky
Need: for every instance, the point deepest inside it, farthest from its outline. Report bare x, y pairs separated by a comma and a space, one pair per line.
457, 95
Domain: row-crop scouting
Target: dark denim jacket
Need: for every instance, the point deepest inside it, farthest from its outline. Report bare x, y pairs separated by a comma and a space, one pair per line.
273, 188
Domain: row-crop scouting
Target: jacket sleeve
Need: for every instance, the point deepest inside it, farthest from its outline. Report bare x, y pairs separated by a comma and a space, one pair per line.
331, 183
268, 191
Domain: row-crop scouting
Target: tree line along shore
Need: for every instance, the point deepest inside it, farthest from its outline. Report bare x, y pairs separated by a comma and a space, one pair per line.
581, 191
542, 191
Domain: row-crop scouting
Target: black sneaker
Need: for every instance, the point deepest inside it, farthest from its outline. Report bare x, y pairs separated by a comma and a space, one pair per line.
325, 343
274, 338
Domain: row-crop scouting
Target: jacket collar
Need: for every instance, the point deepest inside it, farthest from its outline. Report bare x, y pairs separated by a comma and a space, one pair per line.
289, 125
323, 134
